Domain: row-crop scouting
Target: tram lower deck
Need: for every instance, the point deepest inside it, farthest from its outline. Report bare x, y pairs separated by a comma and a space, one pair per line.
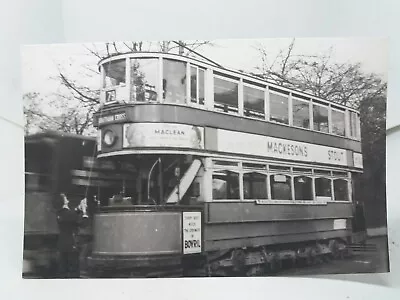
195, 217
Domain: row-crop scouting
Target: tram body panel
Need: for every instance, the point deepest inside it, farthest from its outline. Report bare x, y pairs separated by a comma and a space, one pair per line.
137, 233
245, 224
168, 113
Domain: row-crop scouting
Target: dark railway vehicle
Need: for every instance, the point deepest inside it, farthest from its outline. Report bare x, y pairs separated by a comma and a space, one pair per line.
58, 163
230, 173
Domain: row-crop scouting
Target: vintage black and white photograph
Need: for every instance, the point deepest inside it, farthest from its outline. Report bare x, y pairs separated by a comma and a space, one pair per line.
205, 158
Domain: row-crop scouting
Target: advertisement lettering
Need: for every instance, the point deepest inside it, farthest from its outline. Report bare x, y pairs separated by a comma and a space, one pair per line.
191, 232
163, 135
266, 146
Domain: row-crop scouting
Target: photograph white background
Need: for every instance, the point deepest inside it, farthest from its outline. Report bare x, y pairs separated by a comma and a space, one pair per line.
73, 21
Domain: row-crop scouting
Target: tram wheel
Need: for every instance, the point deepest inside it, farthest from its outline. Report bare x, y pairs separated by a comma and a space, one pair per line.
238, 260
334, 248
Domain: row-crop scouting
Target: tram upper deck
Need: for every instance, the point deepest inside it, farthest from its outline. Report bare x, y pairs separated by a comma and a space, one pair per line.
145, 95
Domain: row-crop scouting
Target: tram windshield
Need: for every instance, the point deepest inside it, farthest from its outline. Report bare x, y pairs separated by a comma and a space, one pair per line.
114, 73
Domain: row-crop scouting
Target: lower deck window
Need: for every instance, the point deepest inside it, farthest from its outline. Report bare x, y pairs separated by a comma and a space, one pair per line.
341, 190
255, 186
303, 188
281, 188
225, 185
323, 187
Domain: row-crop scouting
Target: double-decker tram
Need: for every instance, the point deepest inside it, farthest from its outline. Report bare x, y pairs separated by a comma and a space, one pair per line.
232, 174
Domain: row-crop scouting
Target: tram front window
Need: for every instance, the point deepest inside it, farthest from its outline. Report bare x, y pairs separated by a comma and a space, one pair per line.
174, 81
114, 73
144, 78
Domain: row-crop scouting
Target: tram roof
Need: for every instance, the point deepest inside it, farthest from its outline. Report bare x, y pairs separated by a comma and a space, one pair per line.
218, 68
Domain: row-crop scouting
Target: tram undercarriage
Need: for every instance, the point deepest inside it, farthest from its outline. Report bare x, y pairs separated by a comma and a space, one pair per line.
233, 262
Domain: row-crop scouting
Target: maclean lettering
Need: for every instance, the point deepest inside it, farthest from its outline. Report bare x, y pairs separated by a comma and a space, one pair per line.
287, 149
169, 132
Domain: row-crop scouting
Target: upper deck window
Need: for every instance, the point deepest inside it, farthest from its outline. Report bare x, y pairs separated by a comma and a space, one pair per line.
301, 113
114, 73
320, 115
144, 79
174, 81
279, 108
253, 102
338, 122
225, 95
353, 125
197, 85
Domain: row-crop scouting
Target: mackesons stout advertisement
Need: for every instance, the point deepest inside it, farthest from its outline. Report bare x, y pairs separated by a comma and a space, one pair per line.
163, 135
238, 142
191, 231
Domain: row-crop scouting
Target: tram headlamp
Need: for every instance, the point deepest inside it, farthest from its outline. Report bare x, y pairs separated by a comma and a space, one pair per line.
109, 138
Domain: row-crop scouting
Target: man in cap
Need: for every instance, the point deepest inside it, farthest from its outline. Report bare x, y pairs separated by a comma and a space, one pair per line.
69, 221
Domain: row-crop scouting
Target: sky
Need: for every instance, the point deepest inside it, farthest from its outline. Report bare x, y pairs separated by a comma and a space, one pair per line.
40, 63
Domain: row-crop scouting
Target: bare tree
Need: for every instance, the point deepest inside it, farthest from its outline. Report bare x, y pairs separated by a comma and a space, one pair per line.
345, 84
75, 102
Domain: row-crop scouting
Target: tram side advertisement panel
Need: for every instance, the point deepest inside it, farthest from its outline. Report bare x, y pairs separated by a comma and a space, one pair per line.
192, 232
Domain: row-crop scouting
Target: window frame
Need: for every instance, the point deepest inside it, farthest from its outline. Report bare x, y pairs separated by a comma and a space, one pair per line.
294, 98
267, 185
344, 120
197, 103
329, 121
187, 83
253, 86
226, 200
159, 77
238, 95
292, 170
270, 107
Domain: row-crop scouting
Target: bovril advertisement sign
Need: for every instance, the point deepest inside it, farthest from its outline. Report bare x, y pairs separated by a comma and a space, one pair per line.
279, 148
163, 135
191, 232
